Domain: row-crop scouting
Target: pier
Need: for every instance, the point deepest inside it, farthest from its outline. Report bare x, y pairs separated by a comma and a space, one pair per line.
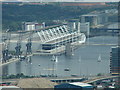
12, 60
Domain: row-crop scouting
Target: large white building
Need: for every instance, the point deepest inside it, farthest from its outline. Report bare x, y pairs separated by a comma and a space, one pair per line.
54, 39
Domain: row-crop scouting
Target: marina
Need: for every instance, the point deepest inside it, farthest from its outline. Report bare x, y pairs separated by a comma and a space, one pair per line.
44, 66
41, 63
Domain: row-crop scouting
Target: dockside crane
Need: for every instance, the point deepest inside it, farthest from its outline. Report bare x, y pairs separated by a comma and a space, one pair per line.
6, 44
29, 44
18, 47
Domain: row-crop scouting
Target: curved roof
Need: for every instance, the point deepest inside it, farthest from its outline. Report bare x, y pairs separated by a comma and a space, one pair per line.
81, 84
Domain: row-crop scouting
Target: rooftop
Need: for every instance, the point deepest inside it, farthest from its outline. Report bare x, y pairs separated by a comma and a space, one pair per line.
81, 84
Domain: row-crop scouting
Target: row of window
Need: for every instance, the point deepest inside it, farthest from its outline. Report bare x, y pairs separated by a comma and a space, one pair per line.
52, 46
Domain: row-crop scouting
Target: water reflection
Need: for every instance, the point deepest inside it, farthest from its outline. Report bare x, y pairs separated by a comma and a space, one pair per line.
5, 70
29, 66
18, 67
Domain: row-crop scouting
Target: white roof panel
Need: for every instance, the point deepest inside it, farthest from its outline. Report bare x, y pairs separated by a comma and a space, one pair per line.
81, 84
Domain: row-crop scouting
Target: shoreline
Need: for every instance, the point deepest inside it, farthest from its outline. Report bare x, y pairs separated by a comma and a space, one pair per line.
10, 61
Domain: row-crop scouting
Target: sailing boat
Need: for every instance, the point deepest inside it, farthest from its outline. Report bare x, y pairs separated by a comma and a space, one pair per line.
80, 59
54, 58
99, 58
29, 60
72, 50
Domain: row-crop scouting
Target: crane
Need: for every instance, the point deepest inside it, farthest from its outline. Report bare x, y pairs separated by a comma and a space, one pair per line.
18, 47
29, 44
6, 44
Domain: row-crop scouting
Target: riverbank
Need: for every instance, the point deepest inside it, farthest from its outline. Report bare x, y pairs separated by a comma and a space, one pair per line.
10, 61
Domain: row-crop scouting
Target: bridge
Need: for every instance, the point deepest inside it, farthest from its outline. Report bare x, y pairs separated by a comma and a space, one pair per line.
100, 78
105, 29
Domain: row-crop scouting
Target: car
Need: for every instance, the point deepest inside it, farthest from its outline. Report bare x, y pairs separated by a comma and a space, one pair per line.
111, 87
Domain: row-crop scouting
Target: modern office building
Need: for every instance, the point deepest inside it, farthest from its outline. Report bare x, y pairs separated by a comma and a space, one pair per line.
115, 61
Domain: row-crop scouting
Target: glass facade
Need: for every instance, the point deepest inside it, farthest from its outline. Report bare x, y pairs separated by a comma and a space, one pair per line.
115, 61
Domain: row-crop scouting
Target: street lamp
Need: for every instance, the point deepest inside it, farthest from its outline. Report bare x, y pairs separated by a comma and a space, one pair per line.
39, 69
53, 60
80, 64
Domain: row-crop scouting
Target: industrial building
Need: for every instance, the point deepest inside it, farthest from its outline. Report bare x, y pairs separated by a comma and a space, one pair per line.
95, 18
27, 26
115, 61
